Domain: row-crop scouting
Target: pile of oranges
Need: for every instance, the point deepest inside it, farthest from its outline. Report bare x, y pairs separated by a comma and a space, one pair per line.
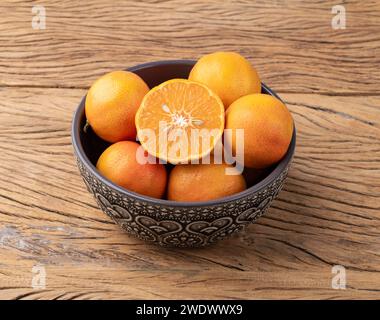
181, 122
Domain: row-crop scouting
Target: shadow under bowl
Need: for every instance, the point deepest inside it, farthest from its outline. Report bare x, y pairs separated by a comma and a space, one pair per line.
164, 222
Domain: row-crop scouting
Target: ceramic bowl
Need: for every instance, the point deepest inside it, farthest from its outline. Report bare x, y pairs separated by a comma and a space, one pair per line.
164, 222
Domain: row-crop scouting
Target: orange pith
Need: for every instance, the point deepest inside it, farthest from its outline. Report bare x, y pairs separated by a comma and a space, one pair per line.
176, 119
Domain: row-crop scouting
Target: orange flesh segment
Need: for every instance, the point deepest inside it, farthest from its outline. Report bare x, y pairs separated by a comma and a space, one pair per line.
187, 113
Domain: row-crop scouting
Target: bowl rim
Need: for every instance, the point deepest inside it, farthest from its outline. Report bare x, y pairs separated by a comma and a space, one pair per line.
79, 151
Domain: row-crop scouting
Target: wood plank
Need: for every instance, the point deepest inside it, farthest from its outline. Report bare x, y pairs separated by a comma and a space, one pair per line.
291, 43
327, 214
101, 282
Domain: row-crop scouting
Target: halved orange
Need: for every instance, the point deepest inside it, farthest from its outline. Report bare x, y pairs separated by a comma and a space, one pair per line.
180, 121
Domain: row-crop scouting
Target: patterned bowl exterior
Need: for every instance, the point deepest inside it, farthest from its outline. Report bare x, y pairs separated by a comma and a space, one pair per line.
190, 226
180, 224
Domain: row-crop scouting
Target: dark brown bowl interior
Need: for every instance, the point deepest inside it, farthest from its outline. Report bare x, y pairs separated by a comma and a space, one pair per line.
88, 146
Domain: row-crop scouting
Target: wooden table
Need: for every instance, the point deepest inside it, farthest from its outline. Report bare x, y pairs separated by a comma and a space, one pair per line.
328, 213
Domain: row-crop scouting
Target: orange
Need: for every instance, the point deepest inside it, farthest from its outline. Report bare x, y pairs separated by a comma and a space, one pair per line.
228, 74
203, 182
180, 121
268, 128
119, 164
111, 105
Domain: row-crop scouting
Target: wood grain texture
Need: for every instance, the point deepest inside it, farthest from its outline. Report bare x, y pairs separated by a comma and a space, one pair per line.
291, 43
328, 214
